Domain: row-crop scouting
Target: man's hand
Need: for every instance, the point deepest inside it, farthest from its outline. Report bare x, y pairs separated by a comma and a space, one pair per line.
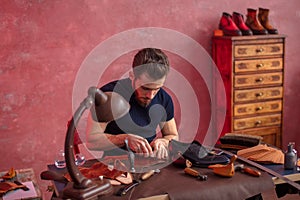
139, 145
160, 148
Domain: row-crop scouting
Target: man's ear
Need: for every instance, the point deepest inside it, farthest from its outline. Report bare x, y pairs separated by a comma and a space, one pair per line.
131, 75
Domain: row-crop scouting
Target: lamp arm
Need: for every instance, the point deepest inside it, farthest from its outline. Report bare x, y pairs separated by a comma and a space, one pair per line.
79, 180
95, 97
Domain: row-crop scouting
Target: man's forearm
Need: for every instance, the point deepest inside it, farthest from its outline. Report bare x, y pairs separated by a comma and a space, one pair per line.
171, 137
105, 141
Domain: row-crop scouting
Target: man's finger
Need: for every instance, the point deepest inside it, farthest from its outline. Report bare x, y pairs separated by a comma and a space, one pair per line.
144, 150
162, 152
166, 153
147, 145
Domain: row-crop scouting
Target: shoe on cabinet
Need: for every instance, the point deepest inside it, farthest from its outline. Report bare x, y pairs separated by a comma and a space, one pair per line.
263, 17
253, 23
239, 21
227, 25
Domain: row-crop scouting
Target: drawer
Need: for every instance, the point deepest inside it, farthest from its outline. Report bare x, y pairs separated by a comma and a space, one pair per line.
254, 122
258, 94
258, 65
241, 51
254, 80
257, 108
271, 135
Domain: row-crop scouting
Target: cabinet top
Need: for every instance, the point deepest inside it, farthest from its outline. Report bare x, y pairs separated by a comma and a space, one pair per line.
252, 37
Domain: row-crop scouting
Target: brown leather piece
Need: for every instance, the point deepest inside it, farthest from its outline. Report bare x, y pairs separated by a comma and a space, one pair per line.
96, 170
8, 186
263, 153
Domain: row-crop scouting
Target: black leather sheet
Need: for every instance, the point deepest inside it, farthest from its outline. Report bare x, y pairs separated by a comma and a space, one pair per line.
179, 186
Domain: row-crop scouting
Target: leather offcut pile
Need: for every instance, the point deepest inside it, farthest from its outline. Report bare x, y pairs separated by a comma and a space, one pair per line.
263, 153
110, 172
9, 182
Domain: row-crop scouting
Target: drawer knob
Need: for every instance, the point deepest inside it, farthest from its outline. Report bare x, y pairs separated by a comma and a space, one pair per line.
259, 94
259, 50
259, 108
257, 123
259, 80
259, 65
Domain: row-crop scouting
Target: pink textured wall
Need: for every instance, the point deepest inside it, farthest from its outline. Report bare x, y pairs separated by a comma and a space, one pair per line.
43, 44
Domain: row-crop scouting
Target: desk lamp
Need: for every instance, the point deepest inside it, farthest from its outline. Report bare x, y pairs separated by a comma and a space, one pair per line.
104, 107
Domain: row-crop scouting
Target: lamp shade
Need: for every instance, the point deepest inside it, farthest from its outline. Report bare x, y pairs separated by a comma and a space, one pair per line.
108, 106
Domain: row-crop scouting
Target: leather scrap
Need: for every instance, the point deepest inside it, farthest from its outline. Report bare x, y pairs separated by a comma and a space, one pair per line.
107, 171
263, 153
9, 186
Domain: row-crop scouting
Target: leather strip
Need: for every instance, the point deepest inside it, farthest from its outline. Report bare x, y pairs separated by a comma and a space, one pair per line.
263, 168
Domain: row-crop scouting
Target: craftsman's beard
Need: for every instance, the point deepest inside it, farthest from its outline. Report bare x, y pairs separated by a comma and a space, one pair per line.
140, 98
143, 101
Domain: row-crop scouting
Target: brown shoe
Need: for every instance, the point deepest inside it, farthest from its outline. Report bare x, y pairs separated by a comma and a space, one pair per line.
253, 23
263, 17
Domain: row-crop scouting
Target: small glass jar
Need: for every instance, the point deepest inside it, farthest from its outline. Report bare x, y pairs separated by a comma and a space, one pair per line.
60, 161
79, 159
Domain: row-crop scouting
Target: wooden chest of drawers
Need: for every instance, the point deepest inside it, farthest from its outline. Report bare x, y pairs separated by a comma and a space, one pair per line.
252, 69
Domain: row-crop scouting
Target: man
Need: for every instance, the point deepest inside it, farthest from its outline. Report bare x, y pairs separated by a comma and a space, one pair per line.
150, 107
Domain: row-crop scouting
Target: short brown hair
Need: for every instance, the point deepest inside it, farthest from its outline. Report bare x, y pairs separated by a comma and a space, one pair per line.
152, 61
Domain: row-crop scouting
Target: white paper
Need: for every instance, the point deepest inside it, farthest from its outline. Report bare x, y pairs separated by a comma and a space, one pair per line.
21, 194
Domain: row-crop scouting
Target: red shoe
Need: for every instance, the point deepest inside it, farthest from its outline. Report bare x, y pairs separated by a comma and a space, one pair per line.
228, 26
239, 21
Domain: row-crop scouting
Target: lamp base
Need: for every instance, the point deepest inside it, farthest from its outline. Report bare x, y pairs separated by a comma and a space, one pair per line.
93, 192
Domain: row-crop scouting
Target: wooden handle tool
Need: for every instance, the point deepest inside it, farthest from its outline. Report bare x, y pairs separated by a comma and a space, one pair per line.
247, 170
147, 175
195, 173
252, 172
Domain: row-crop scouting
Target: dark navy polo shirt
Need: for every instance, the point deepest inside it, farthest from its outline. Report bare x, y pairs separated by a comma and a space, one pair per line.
142, 121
